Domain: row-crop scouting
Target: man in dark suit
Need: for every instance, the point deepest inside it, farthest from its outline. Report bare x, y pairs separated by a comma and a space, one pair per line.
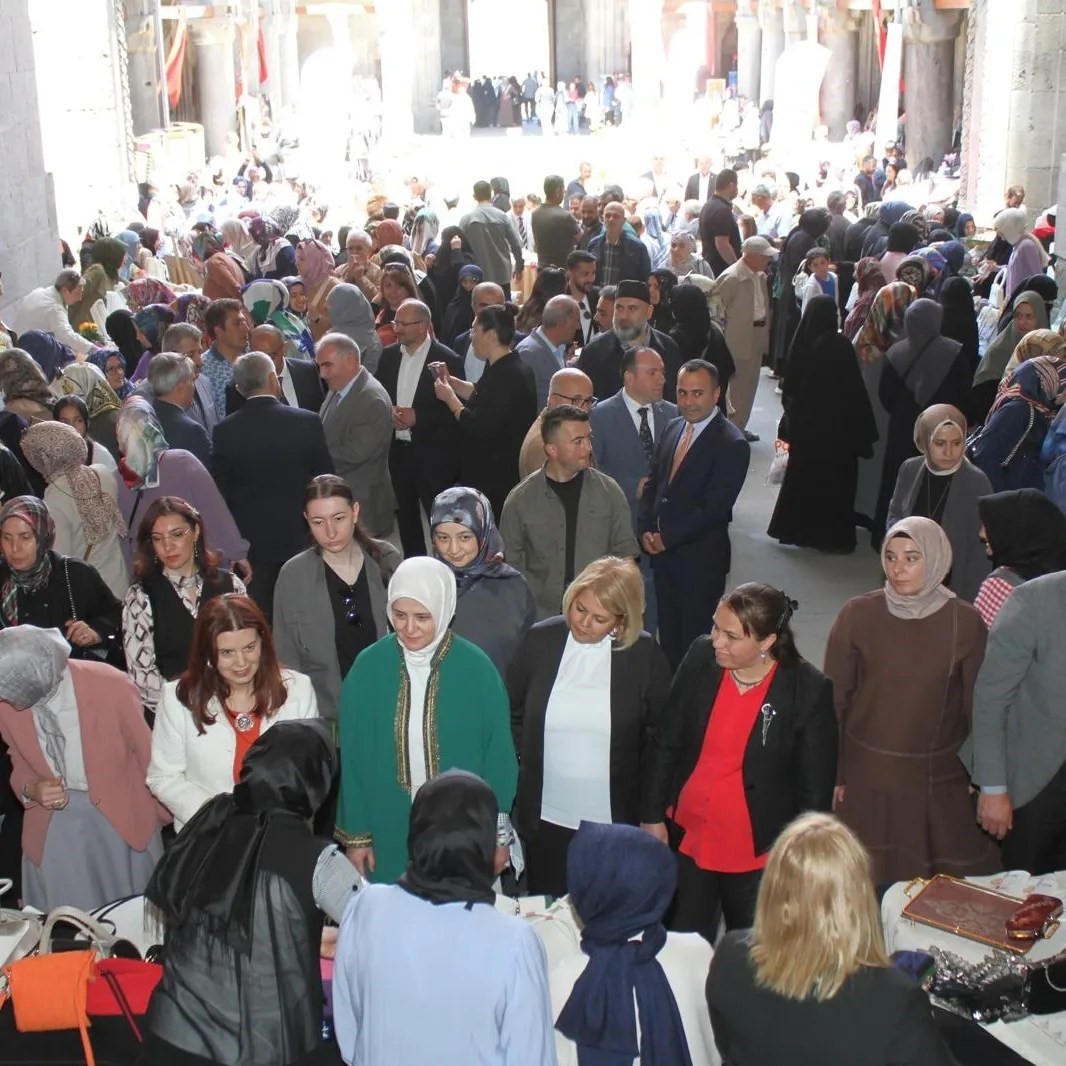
186, 339
631, 327
626, 429
424, 454
700, 186
686, 508
300, 384
172, 381
263, 457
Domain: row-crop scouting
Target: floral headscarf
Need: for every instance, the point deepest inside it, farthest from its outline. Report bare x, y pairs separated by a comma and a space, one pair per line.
916, 272
141, 441
267, 301
22, 379
57, 450
192, 307
153, 321
1039, 342
208, 243
471, 509
144, 291
870, 279
884, 324
1040, 382
33, 512
264, 231
88, 381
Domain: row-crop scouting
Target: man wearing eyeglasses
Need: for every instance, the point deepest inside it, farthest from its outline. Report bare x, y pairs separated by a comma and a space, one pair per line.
568, 386
565, 515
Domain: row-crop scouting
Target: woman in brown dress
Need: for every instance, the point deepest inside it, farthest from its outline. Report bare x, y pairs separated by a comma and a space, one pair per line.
903, 661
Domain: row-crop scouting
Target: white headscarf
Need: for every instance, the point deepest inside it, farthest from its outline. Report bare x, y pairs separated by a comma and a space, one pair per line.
432, 584
1010, 224
32, 663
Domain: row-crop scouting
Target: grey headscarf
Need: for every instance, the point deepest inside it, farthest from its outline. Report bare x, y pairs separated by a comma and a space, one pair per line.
33, 663
924, 357
350, 312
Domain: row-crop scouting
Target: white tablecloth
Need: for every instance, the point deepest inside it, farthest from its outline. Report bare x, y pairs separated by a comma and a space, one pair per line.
1042, 1039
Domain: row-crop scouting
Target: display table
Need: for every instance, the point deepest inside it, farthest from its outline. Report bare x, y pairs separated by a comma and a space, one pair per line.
1042, 1040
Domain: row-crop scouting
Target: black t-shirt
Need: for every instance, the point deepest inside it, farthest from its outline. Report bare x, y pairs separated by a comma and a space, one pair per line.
351, 637
569, 493
716, 220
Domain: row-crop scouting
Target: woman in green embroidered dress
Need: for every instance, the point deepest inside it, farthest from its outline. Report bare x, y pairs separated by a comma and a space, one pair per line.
416, 703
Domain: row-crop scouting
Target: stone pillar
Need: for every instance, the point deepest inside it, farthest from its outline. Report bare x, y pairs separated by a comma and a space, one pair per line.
773, 44
271, 23
749, 52
606, 40
454, 40
146, 82
288, 53
397, 81
216, 81
424, 62
572, 38
645, 27
840, 34
929, 77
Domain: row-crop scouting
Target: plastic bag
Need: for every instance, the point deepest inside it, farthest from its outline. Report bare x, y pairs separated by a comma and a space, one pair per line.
776, 474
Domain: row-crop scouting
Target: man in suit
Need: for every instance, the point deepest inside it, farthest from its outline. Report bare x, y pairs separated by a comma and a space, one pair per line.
626, 429
631, 327
657, 176
686, 508
581, 285
619, 255
186, 339
300, 384
544, 350
424, 454
172, 381
357, 417
263, 457
700, 186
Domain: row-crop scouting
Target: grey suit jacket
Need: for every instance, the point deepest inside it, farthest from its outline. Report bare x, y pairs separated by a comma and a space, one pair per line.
970, 565
616, 443
536, 352
1019, 716
202, 409
358, 433
303, 620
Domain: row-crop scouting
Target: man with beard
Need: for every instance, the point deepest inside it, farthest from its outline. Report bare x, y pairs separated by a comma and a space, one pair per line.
631, 327
581, 285
591, 226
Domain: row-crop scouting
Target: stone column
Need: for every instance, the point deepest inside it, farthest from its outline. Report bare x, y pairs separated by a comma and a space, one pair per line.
454, 39
397, 82
288, 53
840, 34
773, 44
928, 76
749, 52
271, 23
216, 81
604, 39
645, 27
146, 82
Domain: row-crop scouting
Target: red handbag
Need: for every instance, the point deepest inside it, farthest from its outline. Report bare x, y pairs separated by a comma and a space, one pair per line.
115, 980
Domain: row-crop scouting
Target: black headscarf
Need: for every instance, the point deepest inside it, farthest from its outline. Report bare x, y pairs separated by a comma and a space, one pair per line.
207, 877
621, 881
451, 840
960, 318
123, 331
695, 334
446, 264
1025, 532
662, 317
903, 237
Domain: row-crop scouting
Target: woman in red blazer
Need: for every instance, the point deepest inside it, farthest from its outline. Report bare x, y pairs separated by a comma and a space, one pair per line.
79, 750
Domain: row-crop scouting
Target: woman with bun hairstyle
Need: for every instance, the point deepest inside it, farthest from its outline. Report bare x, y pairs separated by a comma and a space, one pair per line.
494, 414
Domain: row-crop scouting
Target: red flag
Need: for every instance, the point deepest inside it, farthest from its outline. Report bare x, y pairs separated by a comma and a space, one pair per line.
264, 72
175, 62
882, 35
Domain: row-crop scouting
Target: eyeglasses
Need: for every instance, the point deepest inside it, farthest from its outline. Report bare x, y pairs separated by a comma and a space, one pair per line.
351, 612
175, 536
409, 322
585, 402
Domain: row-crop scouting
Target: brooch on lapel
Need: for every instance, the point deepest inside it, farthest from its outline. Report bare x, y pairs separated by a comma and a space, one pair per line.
768, 715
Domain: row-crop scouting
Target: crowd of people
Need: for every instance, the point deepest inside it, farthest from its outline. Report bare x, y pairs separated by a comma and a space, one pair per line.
279, 500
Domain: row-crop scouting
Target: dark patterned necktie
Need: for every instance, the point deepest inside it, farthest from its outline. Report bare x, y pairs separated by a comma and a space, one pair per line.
646, 438
521, 228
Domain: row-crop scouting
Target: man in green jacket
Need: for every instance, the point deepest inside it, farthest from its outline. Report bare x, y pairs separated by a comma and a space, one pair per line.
565, 515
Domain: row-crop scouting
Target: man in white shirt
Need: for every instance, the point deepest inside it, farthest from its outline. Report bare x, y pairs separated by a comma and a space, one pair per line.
770, 219
700, 185
45, 309
581, 285
742, 292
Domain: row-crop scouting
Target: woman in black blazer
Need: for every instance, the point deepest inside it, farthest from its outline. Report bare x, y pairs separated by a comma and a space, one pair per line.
748, 741
495, 414
811, 982
586, 692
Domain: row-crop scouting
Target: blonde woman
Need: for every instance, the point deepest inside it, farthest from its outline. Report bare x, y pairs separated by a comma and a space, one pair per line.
586, 690
811, 981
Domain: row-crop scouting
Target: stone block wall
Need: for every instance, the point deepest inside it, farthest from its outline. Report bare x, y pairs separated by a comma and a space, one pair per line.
29, 241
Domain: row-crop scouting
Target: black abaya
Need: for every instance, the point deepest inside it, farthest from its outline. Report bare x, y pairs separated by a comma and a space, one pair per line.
829, 425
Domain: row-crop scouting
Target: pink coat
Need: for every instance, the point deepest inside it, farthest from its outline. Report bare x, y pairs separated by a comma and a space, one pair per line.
116, 746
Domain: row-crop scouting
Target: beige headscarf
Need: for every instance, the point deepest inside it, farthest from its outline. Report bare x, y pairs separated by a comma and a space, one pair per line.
929, 421
935, 547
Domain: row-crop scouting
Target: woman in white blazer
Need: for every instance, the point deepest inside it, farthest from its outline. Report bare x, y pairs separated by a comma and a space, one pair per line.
232, 690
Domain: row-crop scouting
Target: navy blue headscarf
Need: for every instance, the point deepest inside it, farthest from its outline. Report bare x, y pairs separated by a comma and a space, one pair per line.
48, 353
621, 881
471, 509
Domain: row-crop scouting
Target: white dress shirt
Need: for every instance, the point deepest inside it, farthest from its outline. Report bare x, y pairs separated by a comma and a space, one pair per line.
288, 389
586, 311
634, 412
705, 188
411, 365
44, 309
577, 737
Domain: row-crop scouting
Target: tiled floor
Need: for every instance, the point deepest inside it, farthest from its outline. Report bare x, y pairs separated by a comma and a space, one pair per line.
821, 583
